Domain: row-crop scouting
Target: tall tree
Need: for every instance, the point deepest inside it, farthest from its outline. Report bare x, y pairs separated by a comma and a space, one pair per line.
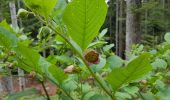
15, 25
13, 14
120, 27
132, 23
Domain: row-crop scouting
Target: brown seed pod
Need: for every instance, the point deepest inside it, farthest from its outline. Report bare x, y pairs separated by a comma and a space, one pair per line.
91, 56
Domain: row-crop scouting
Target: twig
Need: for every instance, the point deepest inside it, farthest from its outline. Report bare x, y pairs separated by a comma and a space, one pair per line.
45, 90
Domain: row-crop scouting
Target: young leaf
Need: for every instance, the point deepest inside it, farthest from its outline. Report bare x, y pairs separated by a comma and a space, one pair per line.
103, 33
43, 7
134, 70
97, 44
83, 19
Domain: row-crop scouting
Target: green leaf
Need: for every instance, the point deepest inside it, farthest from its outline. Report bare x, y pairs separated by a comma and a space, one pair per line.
69, 85
167, 57
86, 88
64, 59
159, 63
97, 44
5, 25
88, 95
7, 39
58, 12
44, 65
99, 66
134, 70
101, 35
115, 62
25, 92
167, 37
164, 94
148, 96
57, 73
43, 7
28, 58
108, 47
85, 19
99, 97
131, 90
123, 96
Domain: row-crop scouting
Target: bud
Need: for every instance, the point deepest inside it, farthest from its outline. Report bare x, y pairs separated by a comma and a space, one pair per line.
72, 70
22, 13
91, 56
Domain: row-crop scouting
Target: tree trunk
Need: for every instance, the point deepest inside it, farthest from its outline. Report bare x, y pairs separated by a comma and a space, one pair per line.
13, 14
111, 5
120, 28
15, 25
132, 24
117, 27
146, 19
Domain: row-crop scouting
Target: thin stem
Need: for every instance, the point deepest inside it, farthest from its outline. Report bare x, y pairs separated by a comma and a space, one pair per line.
45, 90
88, 67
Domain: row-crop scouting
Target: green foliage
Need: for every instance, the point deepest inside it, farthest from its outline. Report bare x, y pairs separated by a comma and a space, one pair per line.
134, 70
42, 7
26, 92
163, 94
89, 15
27, 58
58, 12
99, 97
114, 62
167, 37
159, 64
98, 67
22, 13
7, 39
57, 73
66, 31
